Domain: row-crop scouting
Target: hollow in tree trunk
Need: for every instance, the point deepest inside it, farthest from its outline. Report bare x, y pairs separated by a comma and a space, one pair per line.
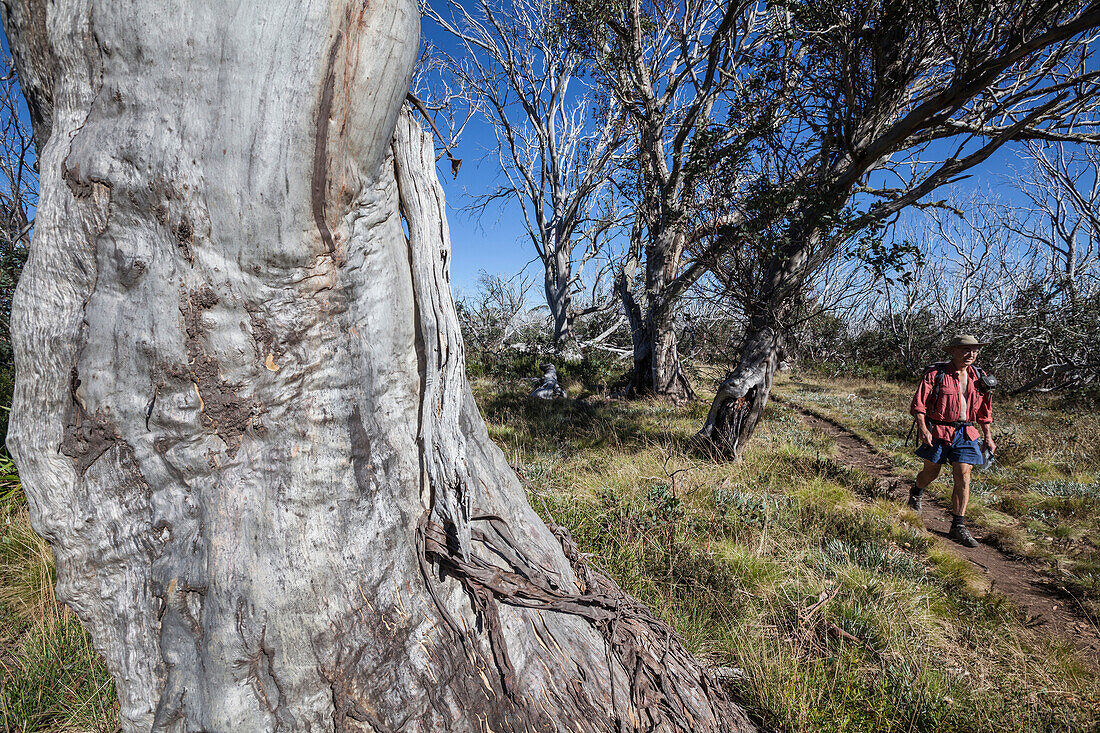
241, 412
743, 394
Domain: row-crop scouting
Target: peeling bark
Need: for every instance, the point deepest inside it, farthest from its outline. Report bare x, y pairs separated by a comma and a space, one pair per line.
241, 412
657, 368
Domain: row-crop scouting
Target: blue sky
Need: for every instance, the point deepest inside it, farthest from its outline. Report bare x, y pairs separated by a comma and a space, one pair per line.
495, 241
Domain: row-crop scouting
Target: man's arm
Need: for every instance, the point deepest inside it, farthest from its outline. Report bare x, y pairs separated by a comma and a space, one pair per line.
987, 436
984, 418
920, 405
922, 429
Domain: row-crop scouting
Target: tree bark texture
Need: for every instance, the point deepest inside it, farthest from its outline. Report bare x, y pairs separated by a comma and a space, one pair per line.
657, 368
241, 413
740, 400
742, 396
557, 284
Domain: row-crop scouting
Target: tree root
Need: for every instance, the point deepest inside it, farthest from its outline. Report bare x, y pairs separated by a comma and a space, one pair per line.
662, 673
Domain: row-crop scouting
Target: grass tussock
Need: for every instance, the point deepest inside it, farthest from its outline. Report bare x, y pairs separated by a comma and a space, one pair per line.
840, 613
51, 679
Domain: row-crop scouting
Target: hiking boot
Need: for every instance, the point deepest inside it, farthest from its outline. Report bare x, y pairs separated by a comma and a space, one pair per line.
962, 535
915, 500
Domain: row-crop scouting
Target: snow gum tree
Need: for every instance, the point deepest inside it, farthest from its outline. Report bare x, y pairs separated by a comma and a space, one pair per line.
876, 105
672, 68
556, 140
241, 413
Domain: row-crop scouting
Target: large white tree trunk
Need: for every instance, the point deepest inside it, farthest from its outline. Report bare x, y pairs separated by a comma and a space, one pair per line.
241, 413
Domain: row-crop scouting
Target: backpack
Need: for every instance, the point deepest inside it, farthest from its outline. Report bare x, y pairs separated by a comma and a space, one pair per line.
985, 385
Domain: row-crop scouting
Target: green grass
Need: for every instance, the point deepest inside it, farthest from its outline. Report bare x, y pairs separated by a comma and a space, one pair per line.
841, 613
1041, 501
733, 554
51, 679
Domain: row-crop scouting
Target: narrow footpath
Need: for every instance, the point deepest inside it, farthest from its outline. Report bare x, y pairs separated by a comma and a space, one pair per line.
1046, 610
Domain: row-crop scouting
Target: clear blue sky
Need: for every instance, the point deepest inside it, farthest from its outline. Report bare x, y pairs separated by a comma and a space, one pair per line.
496, 240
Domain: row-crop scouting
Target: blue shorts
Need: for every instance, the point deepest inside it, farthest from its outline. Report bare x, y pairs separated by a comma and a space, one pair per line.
960, 450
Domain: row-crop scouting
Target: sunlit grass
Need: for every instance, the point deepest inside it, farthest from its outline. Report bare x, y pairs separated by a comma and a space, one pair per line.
839, 611
733, 555
51, 679
1041, 500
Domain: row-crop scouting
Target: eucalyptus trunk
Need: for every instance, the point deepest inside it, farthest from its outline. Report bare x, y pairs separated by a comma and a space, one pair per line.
657, 370
657, 367
557, 286
742, 396
241, 412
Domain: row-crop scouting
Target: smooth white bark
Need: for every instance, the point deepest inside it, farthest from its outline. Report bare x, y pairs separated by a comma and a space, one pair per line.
241, 413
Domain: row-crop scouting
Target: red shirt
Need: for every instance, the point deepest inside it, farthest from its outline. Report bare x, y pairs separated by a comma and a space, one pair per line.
979, 407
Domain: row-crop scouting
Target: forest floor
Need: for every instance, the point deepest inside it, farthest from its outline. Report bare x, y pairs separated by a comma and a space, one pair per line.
799, 566
1050, 610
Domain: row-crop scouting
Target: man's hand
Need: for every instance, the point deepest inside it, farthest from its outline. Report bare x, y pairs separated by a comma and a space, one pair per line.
987, 437
926, 437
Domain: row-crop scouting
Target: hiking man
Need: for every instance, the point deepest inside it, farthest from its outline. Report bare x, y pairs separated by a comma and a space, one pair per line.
953, 409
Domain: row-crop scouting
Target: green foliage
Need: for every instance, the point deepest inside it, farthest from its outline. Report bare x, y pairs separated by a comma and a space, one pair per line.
594, 29
888, 262
1041, 329
593, 368
11, 490
7, 385
1061, 488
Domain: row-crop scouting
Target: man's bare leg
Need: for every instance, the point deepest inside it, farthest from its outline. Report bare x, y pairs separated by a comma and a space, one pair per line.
926, 476
960, 497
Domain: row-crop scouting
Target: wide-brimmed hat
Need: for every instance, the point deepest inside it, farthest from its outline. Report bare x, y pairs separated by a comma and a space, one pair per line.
964, 340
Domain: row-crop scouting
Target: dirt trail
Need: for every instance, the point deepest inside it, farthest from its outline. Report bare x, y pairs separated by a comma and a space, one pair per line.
1026, 587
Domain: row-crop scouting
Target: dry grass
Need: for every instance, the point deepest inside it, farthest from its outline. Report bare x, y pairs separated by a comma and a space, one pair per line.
1041, 501
51, 679
734, 555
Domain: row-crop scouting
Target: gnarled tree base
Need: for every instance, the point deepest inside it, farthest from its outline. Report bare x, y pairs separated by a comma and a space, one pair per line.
741, 398
241, 412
